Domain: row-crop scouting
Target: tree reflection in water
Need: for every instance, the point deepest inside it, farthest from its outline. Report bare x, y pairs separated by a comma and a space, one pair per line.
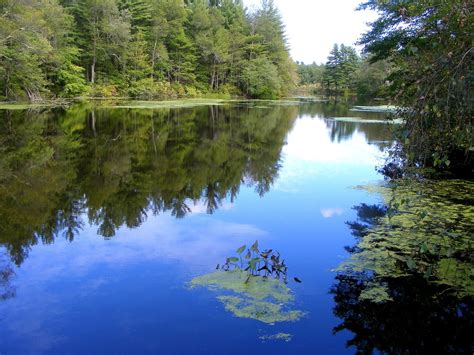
118, 166
7, 290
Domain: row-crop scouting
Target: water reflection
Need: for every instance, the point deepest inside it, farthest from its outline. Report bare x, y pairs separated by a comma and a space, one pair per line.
415, 321
7, 290
118, 166
134, 174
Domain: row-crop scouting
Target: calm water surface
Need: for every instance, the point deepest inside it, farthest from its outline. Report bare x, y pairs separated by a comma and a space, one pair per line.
108, 214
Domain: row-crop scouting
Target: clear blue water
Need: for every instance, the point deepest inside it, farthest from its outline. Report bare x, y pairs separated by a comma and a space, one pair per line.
129, 293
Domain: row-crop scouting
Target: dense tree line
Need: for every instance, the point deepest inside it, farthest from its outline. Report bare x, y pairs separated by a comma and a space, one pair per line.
346, 73
310, 74
141, 48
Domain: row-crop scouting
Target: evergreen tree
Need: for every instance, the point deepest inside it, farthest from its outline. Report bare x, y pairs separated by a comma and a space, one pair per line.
124, 47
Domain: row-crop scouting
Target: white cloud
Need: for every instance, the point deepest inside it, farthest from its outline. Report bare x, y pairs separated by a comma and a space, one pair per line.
313, 26
204, 241
331, 212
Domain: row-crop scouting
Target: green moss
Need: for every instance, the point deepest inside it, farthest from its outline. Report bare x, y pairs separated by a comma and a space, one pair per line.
264, 299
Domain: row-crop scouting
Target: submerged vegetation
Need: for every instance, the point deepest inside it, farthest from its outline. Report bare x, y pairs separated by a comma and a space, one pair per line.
143, 49
256, 289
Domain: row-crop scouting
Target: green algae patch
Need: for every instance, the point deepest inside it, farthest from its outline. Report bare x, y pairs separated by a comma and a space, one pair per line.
427, 231
286, 337
263, 311
258, 288
366, 120
379, 108
375, 293
267, 300
13, 106
187, 103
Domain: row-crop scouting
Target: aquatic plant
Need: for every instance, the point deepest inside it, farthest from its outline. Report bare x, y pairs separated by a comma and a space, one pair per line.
257, 263
426, 230
412, 265
257, 282
279, 336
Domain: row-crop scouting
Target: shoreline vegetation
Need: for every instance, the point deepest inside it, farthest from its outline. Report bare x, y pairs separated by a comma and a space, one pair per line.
142, 49
124, 102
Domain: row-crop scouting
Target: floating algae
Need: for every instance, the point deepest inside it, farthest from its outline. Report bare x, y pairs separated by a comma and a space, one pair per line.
265, 299
381, 108
427, 231
186, 103
366, 120
18, 106
279, 336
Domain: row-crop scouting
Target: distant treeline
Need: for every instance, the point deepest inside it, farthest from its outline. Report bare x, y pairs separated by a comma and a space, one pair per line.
142, 49
346, 73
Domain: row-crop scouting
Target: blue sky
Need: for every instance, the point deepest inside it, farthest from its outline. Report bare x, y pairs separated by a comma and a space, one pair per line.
313, 26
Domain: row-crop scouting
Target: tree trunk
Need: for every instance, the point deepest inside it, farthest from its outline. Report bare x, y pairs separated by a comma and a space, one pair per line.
153, 58
94, 59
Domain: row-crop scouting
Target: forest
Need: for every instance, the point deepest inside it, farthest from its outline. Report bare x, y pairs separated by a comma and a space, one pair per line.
346, 74
142, 49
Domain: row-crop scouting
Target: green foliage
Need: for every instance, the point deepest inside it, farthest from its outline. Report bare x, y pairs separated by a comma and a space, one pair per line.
310, 74
340, 69
32, 44
110, 48
254, 279
429, 46
371, 79
261, 79
257, 263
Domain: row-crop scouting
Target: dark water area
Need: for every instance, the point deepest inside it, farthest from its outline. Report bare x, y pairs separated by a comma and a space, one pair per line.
108, 214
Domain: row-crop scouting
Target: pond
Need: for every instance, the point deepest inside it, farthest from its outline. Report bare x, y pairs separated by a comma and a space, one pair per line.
114, 218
